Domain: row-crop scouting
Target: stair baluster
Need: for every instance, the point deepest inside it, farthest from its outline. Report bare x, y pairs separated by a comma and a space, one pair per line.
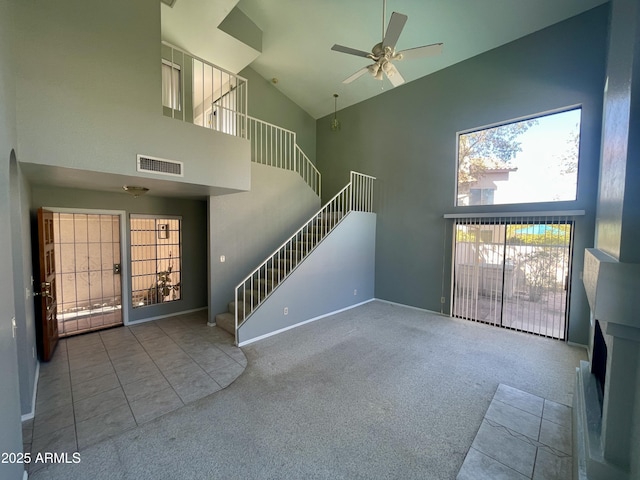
251, 292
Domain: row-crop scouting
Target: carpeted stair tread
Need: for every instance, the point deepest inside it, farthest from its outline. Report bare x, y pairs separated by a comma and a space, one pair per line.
240, 305
276, 273
227, 322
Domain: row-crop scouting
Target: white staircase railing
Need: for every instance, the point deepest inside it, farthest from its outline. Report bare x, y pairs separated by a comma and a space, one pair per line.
308, 171
200, 92
218, 99
276, 146
258, 285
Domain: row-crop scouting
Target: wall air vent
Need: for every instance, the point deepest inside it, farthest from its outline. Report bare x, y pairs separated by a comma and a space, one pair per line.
159, 166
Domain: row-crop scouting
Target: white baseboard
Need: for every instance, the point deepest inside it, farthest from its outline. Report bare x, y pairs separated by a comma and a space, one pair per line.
395, 304
32, 413
160, 317
270, 334
586, 347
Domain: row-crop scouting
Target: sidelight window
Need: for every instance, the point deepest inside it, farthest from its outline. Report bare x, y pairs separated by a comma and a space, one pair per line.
155, 260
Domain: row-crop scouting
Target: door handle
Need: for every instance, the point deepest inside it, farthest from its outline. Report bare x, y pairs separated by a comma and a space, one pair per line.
45, 292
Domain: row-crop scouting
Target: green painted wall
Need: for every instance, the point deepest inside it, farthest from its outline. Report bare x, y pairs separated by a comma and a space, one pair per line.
406, 137
337, 275
194, 237
10, 427
618, 222
618, 217
268, 104
89, 95
23, 288
239, 26
247, 227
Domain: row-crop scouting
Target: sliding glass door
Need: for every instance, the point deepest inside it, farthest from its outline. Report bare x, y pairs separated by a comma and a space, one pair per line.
513, 273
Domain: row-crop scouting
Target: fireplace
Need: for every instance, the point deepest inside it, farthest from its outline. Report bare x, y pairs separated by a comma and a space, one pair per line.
599, 359
606, 386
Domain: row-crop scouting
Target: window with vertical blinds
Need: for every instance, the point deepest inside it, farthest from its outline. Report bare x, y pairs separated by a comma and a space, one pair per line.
514, 272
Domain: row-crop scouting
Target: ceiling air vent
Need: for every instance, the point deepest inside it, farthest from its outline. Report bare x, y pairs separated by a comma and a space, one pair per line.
159, 166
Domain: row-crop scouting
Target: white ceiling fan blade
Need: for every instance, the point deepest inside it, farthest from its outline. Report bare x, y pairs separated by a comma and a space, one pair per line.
350, 51
418, 52
356, 75
394, 29
394, 76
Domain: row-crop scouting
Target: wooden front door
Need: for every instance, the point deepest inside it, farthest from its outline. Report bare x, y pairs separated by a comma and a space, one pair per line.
46, 305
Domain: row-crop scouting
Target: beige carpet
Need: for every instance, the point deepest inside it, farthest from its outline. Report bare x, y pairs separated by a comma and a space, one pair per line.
379, 391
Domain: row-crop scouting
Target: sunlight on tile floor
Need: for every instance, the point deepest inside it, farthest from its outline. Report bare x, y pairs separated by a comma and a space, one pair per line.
522, 436
103, 383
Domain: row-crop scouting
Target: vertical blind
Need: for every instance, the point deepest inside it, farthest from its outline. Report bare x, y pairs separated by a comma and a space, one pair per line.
513, 272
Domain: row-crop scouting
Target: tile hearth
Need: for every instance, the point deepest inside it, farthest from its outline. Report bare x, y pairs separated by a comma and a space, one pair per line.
522, 436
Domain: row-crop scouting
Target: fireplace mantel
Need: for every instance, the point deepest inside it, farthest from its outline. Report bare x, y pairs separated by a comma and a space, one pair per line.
602, 431
612, 290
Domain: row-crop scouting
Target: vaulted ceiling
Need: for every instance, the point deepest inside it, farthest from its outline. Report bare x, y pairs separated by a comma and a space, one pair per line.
298, 35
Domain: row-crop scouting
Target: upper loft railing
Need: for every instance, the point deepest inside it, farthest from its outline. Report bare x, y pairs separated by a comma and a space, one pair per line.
199, 92
277, 147
251, 292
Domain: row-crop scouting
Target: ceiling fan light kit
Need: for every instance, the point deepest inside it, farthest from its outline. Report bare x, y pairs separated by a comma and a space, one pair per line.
384, 53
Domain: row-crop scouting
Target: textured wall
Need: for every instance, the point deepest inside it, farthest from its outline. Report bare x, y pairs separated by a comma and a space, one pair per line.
617, 110
11, 436
406, 137
618, 222
618, 218
246, 227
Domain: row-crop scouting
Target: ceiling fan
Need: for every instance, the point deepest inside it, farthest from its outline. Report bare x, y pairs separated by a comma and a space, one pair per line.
384, 53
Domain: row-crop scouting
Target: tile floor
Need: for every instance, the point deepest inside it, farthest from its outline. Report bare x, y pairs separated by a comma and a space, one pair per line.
522, 436
89, 323
103, 383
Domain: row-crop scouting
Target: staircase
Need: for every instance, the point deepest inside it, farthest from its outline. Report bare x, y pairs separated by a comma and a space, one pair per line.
255, 289
277, 147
